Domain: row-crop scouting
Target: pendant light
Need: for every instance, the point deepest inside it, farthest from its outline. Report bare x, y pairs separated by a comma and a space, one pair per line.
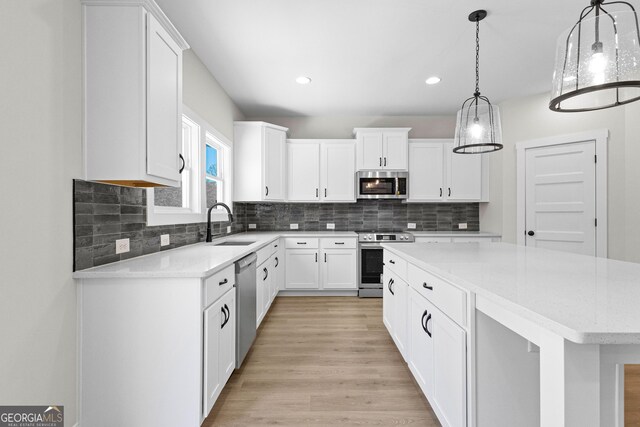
598, 60
478, 122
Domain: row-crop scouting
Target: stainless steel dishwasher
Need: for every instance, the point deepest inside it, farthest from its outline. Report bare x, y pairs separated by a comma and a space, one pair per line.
245, 306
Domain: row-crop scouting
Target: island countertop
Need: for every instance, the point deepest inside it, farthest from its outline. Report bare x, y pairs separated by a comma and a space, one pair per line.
582, 298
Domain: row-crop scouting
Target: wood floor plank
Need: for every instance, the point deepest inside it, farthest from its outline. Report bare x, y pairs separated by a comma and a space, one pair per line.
322, 361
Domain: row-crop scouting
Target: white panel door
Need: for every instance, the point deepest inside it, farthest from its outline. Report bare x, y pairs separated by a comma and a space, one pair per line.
263, 281
304, 172
401, 289
164, 100
420, 339
212, 384
560, 197
277, 275
395, 151
449, 368
339, 269
274, 154
464, 175
337, 174
370, 150
302, 269
388, 301
426, 171
227, 348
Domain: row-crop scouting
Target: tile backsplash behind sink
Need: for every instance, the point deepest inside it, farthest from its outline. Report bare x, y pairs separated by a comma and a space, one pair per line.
105, 213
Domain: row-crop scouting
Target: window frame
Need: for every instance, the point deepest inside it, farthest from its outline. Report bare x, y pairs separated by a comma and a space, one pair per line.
197, 210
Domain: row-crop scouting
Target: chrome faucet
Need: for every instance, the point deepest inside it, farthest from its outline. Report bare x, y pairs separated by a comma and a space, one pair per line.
208, 239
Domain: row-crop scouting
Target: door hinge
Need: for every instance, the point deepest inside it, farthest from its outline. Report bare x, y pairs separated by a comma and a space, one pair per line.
596, 222
595, 158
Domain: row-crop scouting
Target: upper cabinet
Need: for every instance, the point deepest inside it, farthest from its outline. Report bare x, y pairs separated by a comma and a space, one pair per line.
259, 162
382, 148
133, 94
437, 174
321, 170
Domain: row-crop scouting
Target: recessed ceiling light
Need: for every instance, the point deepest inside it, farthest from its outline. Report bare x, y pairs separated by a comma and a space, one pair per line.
303, 80
433, 80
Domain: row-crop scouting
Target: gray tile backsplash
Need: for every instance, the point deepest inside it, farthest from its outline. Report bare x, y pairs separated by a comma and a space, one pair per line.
105, 213
363, 215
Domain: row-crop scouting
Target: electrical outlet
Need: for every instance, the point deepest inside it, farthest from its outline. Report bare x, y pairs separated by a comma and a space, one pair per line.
331, 226
252, 226
122, 246
411, 225
228, 229
293, 226
462, 226
165, 240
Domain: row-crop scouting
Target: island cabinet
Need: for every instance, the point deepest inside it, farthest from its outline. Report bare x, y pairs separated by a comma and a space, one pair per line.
132, 94
427, 318
321, 170
382, 148
259, 159
436, 174
267, 278
327, 264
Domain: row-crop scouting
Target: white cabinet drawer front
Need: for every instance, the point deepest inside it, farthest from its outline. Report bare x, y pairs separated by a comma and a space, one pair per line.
449, 299
301, 243
396, 264
345, 243
264, 254
218, 284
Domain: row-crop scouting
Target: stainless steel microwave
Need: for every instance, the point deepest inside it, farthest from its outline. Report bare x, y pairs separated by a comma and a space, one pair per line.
382, 185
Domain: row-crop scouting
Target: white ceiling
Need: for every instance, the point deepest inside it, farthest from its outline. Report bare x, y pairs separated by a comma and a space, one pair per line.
371, 57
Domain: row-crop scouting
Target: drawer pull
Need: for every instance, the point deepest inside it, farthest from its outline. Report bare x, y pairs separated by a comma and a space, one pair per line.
339, 243
426, 286
224, 282
392, 261
301, 243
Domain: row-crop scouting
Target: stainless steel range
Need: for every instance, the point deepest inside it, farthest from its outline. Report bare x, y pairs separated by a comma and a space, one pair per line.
370, 277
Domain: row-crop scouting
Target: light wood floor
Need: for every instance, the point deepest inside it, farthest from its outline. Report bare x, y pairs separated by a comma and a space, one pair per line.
322, 361
632, 395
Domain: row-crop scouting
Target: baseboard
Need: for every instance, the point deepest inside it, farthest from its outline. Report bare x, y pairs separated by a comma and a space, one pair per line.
317, 293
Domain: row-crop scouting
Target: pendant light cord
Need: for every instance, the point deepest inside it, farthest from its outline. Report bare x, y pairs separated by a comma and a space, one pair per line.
477, 58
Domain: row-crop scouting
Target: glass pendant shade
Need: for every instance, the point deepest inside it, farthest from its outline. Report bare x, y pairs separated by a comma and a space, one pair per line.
478, 127
598, 61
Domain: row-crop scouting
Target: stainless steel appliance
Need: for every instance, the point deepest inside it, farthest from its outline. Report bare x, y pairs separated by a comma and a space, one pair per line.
382, 185
245, 306
370, 276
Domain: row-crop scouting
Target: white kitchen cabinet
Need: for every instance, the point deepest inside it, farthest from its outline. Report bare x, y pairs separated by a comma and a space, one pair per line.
339, 269
436, 174
388, 303
133, 94
419, 326
302, 271
321, 170
264, 276
338, 170
219, 347
303, 166
259, 162
382, 148
394, 309
281, 266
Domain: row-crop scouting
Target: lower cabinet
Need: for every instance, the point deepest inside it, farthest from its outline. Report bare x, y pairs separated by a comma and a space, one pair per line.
219, 347
394, 309
338, 269
302, 269
263, 290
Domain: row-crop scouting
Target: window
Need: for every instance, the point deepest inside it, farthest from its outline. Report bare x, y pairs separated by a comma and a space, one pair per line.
205, 178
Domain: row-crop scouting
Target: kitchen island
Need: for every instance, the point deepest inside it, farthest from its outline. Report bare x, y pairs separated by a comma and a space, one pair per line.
579, 312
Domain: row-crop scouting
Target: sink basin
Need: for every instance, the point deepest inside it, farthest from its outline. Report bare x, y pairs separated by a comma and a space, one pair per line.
234, 243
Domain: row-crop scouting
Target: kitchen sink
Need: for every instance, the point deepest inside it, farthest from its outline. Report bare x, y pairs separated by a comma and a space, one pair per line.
234, 243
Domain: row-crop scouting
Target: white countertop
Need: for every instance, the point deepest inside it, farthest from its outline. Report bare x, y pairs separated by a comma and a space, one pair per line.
460, 233
582, 298
197, 260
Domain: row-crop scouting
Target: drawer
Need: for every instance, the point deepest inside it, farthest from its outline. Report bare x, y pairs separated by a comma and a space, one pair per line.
450, 299
217, 285
301, 243
344, 243
396, 264
425, 239
265, 252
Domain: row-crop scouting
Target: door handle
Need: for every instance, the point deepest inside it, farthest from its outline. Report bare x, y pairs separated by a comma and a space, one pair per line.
426, 286
390, 284
325, 257
226, 314
316, 256
183, 163
449, 192
277, 262
266, 274
266, 191
440, 191
325, 192
224, 282
380, 161
422, 322
316, 192
385, 161
425, 323
531, 233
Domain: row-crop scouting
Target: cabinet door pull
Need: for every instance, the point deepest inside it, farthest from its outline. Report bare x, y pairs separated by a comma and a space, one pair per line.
317, 192
301, 243
339, 243
325, 257
392, 261
440, 191
277, 261
390, 284
325, 192
449, 192
426, 325
266, 273
224, 282
266, 190
225, 314
385, 161
183, 163
316, 256
427, 286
